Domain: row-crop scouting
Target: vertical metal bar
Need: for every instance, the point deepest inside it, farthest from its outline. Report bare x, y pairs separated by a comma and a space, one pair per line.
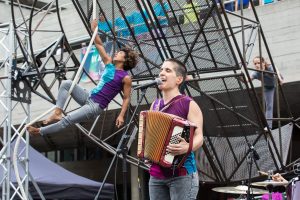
243, 29
26, 160
262, 75
94, 9
113, 27
9, 111
6, 180
87, 5
278, 114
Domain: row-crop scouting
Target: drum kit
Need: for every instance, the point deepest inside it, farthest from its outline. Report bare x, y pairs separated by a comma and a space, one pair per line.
292, 189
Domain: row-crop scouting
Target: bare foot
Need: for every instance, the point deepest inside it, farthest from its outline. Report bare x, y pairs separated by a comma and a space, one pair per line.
52, 119
55, 117
33, 131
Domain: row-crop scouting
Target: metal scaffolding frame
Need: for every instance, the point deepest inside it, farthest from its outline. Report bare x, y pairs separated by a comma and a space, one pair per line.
207, 46
10, 130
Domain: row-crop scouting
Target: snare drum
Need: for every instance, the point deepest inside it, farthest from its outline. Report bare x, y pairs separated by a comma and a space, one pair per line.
293, 189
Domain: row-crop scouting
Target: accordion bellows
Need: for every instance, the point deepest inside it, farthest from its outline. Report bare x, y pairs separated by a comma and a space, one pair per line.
156, 131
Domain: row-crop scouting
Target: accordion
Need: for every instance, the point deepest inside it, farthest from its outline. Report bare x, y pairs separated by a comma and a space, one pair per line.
156, 131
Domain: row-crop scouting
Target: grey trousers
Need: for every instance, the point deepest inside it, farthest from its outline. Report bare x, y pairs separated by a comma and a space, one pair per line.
176, 188
88, 110
269, 102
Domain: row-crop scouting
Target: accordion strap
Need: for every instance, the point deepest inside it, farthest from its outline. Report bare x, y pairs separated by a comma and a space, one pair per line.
191, 139
175, 99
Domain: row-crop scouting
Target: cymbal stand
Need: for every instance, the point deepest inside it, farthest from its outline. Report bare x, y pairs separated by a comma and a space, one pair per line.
250, 159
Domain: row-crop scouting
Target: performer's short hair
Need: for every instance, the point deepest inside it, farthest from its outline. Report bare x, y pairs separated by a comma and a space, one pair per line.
180, 71
179, 67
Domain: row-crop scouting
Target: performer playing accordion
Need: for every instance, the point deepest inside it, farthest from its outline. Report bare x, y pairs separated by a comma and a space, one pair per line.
176, 183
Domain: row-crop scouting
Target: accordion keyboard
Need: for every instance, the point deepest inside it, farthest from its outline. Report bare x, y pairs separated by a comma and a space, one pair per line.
174, 140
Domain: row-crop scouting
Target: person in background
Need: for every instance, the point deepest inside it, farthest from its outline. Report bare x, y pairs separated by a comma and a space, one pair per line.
160, 8
246, 4
105, 26
122, 29
190, 15
182, 183
138, 23
269, 84
278, 178
267, 1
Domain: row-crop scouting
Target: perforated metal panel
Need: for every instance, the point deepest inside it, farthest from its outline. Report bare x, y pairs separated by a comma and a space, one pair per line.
233, 116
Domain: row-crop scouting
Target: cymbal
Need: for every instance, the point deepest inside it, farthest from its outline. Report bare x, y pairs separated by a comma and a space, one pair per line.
241, 189
271, 183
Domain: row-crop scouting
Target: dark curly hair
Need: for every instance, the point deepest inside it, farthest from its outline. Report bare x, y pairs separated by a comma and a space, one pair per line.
131, 58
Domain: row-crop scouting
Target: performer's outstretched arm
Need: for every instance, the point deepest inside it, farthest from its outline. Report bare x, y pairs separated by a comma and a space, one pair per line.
99, 45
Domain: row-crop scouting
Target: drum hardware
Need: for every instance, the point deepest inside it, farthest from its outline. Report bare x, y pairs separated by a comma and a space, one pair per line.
293, 189
240, 189
269, 185
296, 168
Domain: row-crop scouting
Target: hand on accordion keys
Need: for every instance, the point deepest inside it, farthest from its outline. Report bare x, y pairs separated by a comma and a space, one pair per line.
178, 149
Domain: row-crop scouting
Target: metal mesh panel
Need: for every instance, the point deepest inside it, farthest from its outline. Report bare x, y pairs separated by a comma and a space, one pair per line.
201, 44
229, 156
282, 140
231, 123
226, 105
